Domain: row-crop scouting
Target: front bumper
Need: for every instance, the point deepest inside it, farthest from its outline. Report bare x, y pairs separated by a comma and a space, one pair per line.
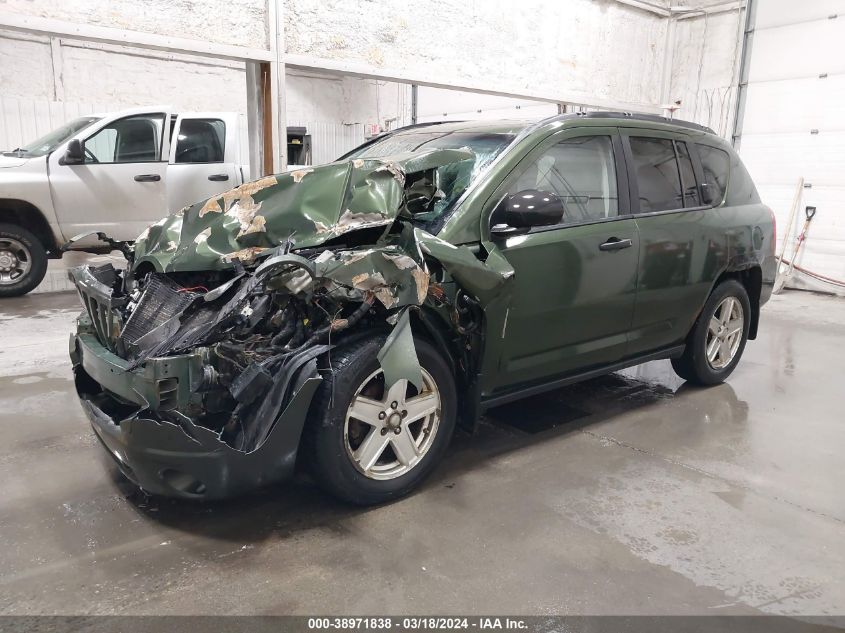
175, 457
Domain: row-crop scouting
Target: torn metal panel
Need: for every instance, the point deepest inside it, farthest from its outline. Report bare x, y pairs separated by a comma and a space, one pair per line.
398, 355
376, 270
484, 279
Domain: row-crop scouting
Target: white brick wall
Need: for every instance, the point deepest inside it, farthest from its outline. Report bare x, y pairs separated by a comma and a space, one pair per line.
235, 22
595, 47
703, 64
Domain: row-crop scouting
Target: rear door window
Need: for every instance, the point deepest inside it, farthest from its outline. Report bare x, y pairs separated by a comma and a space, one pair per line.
657, 174
715, 163
201, 141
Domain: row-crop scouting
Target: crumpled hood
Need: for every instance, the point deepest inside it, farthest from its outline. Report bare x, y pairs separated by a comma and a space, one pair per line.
308, 206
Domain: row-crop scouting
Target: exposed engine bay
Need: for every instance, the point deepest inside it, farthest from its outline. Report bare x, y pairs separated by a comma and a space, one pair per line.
259, 331
264, 323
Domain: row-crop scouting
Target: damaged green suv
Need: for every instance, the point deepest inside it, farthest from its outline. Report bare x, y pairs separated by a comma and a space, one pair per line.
346, 318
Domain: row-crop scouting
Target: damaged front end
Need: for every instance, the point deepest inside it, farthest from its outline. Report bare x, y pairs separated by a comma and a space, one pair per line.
197, 364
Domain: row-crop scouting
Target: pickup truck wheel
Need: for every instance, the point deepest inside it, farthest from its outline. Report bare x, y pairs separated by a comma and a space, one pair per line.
718, 337
367, 443
23, 261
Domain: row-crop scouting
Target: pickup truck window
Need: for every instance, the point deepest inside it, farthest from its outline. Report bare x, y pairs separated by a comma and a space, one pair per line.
658, 178
201, 141
135, 139
47, 143
581, 172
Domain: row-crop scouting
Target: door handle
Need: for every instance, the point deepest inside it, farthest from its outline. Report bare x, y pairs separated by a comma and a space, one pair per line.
218, 177
615, 244
147, 178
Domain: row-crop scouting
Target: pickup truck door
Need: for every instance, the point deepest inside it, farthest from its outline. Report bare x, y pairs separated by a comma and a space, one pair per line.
121, 188
203, 158
574, 282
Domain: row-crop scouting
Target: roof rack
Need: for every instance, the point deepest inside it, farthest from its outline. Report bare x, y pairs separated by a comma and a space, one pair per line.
654, 118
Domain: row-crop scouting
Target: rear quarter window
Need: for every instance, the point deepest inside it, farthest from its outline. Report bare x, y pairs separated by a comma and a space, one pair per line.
741, 189
727, 175
716, 165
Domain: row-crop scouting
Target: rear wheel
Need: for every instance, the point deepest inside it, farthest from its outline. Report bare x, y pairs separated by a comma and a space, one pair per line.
368, 442
718, 338
23, 261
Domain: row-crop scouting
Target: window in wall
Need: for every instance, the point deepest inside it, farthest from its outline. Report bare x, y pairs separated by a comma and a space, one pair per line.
135, 139
715, 163
201, 141
581, 172
656, 169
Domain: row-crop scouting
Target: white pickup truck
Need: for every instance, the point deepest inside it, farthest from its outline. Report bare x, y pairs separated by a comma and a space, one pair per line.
113, 173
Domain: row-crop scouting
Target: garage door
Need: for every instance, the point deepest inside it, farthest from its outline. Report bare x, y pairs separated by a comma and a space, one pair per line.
794, 121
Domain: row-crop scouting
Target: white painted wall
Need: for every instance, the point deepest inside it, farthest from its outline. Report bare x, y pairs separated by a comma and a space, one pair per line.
595, 48
234, 22
437, 104
83, 72
323, 97
796, 86
705, 51
338, 111
43, 79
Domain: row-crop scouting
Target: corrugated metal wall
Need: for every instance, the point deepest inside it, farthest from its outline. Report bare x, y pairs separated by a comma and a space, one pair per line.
330, 140
24, 120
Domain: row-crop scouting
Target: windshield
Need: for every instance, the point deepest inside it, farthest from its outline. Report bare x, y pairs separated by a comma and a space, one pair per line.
51, 141
449, 181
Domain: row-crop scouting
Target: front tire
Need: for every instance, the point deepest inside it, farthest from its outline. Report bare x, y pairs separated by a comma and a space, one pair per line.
23, 261
718, 337
367, 444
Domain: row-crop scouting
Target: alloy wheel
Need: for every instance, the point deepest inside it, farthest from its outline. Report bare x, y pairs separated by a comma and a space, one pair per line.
388, 431
724, 333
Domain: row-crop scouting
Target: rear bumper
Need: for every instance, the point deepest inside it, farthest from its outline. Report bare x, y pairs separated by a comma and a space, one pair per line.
173, 456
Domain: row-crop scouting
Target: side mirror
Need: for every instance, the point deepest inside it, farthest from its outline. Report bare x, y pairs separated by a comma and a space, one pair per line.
529, 208
708, 193
75, 153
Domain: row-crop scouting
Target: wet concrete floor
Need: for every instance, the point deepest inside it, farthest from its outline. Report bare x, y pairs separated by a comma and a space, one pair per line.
628, 494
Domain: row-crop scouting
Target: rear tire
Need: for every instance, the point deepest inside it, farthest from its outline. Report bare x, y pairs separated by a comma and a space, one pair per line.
23, 261
399, 460
717, 340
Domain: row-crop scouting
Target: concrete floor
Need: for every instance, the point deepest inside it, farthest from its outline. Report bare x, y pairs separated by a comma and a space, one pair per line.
629, 494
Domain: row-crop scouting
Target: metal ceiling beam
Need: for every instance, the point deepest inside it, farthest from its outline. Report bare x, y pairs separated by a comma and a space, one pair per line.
109, 35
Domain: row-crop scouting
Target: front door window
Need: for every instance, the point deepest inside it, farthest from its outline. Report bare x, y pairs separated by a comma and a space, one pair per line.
135, 139
581, 172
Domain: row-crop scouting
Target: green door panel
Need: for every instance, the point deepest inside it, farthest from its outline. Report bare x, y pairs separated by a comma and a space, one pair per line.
572, 303
679, 259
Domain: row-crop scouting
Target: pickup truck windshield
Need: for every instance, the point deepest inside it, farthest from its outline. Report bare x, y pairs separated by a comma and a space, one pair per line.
51, 141
450, 180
